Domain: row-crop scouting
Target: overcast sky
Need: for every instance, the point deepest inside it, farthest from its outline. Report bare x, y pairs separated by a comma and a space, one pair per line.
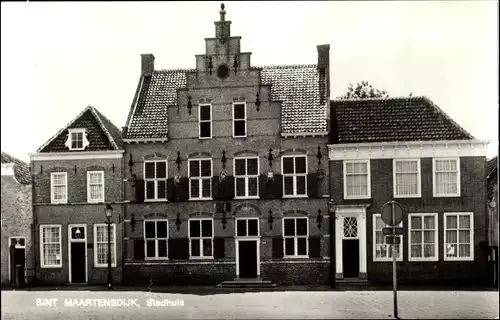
57, 58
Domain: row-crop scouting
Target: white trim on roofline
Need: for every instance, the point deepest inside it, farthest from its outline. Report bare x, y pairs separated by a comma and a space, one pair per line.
408, 149
304, 134
110, 154
145, 140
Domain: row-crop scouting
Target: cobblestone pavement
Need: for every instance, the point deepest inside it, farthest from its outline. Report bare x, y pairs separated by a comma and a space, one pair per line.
256, 305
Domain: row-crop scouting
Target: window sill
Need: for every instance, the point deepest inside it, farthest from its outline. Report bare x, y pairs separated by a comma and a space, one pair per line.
446, 195
407, 196
387, 260
59, 202
104, 265
96, 201
296, 257
423, 259
294, 197
204, 138
51, 267
155, 200
358, 198
201, 258
200, 199
239, 137
458, 259
247, 198
155, 259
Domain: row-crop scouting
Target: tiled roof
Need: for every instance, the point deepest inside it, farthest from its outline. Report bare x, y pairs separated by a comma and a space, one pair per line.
491, 175
21, 168
102, 134
299, 87
394, 119
158, 91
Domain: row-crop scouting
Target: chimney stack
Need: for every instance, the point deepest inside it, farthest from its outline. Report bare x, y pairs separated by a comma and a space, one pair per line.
323, 56
147, 64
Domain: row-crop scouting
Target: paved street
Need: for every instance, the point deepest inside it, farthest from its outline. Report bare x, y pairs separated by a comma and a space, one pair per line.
263, 305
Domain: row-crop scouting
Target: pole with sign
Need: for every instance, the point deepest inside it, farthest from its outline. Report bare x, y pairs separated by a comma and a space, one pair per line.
392, 215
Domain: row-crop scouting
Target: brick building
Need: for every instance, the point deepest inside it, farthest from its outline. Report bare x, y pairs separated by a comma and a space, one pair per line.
407, 150
227, 170
492, 183
75, 173
16, 221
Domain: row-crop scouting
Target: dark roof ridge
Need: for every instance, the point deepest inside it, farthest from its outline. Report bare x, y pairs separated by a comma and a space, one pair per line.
380, 99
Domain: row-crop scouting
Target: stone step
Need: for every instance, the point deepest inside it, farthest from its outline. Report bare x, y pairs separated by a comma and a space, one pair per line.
247, 283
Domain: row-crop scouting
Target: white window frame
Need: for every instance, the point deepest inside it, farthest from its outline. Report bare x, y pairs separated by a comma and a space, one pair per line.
436, 237
89, 199
246, 196
471, 243
296, 246
246, 226
52, 185
200, 185
294, 176
200, 121
419, 179
70, 139
368, 179
374, 230
434, 187
42, 244
155, 180
244, 119
156, 257
113, 245
201, 238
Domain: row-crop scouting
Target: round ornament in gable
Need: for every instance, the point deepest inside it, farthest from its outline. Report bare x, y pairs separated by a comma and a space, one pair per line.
222, 72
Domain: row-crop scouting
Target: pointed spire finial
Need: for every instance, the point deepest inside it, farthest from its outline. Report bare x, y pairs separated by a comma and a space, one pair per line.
222, 12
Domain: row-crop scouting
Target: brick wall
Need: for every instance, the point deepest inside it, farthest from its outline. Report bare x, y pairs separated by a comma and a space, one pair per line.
78, 211
472, 199
16, 221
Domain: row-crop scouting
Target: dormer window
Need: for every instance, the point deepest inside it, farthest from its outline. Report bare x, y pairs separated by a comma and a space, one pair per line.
77, 139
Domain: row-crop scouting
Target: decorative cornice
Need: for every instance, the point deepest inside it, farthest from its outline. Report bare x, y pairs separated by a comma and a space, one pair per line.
304, 134
410, 149
83, 155
145, 140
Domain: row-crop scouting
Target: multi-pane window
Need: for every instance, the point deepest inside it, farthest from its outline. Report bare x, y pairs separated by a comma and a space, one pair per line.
246, 174
77, 140
423, 236
205, 119
95, 186
406, 178
200, 179
239, 120
101, 245
382, 250
155, 180
59, 187
156, 239
294, 175
295, 234
201, 238
247, 227
446, 177
459, 236
357, 179
50, 246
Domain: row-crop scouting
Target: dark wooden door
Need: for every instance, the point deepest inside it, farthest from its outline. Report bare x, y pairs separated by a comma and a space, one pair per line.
78, 262
247, 259
350, 258
19, 263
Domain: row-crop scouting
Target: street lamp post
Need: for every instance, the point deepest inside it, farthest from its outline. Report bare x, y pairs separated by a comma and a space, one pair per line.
109, 213
331, 213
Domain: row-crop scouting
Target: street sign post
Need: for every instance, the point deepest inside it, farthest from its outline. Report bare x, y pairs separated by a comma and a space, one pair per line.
392, 215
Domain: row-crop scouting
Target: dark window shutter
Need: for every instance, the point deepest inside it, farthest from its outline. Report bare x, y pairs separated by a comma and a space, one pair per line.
277, 186
182, 190
218, 248
170, 189
312, 185
315, 247
139, 249
263, 190
178, 249
131, 193
215, 188
278, 247
228, 187
139, 190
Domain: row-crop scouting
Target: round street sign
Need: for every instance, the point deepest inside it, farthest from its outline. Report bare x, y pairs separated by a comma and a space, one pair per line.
387, 214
